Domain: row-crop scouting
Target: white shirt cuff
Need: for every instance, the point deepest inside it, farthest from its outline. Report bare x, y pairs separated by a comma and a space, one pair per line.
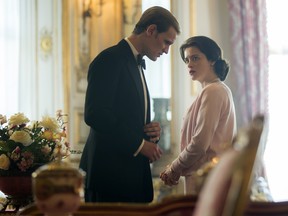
139, 149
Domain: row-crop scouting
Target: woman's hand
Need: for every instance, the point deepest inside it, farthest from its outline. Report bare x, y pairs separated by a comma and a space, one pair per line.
169, 177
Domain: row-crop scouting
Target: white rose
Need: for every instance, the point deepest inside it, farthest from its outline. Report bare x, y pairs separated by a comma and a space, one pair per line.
18, 119
50, 123
22, 137
4, 162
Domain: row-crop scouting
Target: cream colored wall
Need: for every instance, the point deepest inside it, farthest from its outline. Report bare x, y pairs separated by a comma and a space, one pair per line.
212, 20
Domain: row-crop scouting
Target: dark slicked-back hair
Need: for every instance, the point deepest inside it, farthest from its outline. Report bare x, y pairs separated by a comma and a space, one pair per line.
212, 52
159, 16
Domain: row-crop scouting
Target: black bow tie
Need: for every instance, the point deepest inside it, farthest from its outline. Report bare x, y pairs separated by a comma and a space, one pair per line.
141, 62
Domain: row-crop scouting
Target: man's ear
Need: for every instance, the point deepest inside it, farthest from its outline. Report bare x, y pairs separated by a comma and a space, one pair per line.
151, 29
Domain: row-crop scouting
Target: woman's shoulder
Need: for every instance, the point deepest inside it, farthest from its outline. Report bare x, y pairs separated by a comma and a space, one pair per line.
216, 89
216, 86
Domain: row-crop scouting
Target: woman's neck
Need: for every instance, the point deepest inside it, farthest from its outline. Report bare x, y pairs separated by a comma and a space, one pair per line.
213, 80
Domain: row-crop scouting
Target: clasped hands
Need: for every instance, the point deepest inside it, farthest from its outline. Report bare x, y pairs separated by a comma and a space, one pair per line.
150, 149
169, 176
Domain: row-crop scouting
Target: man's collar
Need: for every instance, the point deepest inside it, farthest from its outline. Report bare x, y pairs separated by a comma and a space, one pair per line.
134, 51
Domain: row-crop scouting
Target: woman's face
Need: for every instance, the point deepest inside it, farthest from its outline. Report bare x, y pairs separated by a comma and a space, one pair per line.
199, 67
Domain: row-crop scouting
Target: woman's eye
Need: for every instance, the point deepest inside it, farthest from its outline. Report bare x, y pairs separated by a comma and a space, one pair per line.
191, 59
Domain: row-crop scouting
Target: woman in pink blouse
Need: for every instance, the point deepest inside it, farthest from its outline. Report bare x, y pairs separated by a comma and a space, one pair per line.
210, 121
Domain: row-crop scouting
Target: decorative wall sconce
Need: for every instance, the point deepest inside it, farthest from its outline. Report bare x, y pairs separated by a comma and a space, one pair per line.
136, 8
46, 43
94, 8
88, 11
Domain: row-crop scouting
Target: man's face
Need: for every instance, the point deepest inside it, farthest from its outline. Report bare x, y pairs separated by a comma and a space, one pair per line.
159, 43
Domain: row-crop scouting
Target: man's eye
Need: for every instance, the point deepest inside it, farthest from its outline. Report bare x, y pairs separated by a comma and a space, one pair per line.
195, 58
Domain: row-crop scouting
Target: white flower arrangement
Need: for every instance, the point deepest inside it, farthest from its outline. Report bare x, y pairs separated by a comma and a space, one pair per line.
26, 145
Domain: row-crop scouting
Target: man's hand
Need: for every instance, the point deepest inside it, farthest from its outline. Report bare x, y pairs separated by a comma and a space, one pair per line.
153, 130
151, 151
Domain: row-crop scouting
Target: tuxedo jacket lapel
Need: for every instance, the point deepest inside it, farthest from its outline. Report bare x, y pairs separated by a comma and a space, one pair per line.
148, 99
135, 73
133, 69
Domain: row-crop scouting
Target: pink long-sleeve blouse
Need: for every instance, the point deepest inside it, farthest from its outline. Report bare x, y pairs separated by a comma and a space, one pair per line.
209, 124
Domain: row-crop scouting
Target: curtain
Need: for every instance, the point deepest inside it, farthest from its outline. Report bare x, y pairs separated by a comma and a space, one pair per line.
30, 81
250, 66
250, 57
28, 93
9, 53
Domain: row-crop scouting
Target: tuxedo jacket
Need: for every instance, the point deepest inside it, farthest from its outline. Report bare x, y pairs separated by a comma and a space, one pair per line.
115, 110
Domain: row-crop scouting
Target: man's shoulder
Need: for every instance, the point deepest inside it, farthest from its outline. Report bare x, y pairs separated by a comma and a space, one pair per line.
116, 54
117, 49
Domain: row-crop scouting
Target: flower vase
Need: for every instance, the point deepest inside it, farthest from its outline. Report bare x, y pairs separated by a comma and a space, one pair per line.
17, 186
160, 108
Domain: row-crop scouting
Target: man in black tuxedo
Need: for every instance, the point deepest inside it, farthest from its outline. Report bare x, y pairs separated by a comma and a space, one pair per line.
123, 141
